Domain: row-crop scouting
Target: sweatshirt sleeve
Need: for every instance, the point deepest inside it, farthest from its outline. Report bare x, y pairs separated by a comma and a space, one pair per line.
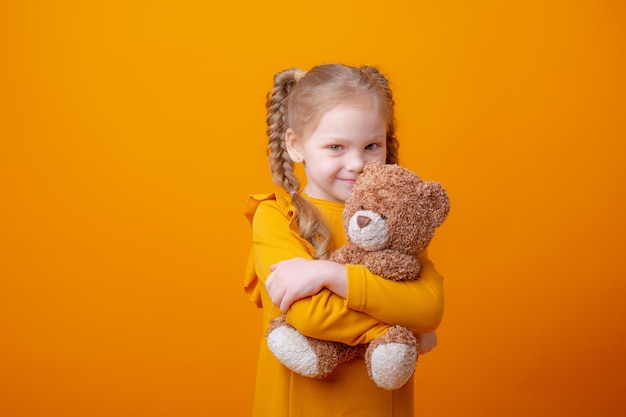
324, 315
417, 305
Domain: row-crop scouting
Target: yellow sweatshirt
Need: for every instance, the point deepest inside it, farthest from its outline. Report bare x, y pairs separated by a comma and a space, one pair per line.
372, 304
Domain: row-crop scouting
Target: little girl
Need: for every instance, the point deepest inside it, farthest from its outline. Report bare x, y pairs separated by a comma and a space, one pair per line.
332, 119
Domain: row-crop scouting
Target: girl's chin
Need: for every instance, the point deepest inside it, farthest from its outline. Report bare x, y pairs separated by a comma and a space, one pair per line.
343, 194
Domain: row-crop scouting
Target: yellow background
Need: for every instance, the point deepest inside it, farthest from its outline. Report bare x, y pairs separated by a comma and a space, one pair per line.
132, 132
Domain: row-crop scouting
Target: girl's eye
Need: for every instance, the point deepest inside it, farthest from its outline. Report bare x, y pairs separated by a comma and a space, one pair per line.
335, 147
372, 146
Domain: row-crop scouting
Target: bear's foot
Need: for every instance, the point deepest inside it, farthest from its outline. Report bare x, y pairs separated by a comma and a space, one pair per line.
301, 354
391, 359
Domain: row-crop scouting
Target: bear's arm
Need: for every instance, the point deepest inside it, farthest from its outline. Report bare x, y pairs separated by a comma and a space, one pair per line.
417, 304
348, 254
324, 315
392, 265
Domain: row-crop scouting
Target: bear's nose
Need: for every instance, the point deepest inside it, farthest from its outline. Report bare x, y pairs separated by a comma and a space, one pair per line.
363, 221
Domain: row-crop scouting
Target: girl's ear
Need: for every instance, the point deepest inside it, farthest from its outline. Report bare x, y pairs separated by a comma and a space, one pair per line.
293, 145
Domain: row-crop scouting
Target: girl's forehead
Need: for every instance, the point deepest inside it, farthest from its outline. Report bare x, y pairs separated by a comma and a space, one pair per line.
349, 122
356, 104
332, 109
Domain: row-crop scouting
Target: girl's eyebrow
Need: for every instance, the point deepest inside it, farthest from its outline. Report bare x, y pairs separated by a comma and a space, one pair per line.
333, 139
342, 138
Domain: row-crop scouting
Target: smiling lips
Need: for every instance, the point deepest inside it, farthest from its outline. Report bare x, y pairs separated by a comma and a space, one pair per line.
348, 181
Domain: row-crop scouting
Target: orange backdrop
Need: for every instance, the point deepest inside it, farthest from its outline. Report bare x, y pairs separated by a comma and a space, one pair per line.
132, 132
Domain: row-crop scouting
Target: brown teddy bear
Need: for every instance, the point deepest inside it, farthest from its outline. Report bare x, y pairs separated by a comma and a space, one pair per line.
389, 218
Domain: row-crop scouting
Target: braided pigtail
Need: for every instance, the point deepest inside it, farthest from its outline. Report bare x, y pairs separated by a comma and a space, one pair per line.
281, 165
311, 224
392, 140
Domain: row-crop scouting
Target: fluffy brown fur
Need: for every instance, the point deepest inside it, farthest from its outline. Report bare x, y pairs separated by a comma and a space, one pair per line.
389, 218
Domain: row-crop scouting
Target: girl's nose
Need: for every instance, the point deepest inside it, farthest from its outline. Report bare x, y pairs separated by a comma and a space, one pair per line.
355, 163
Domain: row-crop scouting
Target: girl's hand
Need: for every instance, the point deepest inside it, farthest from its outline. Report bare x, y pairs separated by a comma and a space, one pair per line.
426, 342
298, 278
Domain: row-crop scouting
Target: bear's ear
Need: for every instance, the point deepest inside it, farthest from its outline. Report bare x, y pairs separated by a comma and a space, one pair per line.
372, 167
437, 197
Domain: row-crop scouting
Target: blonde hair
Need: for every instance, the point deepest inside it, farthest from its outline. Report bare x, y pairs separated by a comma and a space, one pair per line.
298, 101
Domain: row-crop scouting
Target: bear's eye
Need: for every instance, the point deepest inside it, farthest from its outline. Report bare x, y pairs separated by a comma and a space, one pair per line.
362, 208
382, 216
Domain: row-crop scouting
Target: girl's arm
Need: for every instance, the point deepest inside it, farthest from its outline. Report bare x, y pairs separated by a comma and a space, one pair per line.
313, 276
364, 291
417, 305
327, 316
358, 319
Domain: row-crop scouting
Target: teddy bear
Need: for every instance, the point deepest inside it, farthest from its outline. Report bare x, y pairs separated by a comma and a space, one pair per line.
389, 217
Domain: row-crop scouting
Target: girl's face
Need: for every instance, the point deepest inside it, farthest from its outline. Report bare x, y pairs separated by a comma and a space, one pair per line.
347, 136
